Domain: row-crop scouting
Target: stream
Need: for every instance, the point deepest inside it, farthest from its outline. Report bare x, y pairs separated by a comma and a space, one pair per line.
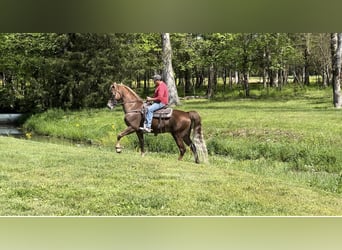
9, 125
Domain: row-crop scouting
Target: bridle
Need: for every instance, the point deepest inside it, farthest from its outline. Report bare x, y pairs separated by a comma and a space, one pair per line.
119, 101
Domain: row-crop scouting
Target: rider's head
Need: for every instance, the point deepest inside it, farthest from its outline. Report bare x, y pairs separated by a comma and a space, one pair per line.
156, 78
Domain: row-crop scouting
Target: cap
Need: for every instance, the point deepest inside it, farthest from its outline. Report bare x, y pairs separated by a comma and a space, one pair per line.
156, 78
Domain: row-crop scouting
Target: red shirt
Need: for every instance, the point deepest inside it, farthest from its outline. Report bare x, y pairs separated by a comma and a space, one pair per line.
162, 93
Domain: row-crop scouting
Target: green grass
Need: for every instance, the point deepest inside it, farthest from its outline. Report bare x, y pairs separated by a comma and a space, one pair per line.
51, 179
278, 154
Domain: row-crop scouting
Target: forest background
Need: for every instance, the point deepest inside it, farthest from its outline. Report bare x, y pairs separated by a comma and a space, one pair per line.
39, 71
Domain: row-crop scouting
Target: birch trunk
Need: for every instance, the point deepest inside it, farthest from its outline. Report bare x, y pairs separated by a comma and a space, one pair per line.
210, 89
168, 74
336, 52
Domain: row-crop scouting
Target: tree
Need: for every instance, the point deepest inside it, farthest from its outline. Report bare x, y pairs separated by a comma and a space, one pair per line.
245, 44
145, 51
184, 56
168, 74
321, 57
336, 53
39, 71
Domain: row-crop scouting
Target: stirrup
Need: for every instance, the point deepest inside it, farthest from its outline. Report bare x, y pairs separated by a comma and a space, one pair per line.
145, 129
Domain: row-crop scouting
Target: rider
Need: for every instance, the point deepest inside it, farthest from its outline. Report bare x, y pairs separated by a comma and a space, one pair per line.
160, 100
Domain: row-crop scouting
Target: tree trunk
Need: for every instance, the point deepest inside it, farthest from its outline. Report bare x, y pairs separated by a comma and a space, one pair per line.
264, 78
336, 52
246, 83
210, 89
224, 78
325, 78
187, 84
306, 60
168, 74
236, 78
230, 80
245, 74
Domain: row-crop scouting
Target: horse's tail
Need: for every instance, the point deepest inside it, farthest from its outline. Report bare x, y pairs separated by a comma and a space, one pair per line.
198, 138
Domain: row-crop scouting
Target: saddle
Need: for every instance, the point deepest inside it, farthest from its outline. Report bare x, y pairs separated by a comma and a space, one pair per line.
163, 113
160, 114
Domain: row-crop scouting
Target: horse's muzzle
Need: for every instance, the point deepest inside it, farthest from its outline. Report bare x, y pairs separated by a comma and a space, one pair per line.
111, 103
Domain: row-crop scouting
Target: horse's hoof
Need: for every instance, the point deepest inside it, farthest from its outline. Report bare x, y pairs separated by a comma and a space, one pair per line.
118, 150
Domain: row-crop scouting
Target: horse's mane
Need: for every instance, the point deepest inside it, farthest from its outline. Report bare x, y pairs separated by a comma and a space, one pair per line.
130, 90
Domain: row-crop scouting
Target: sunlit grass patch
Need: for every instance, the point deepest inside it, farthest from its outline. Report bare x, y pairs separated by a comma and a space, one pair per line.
51, 179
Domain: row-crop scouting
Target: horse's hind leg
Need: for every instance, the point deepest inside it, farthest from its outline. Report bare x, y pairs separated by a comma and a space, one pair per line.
180, 144
141, 142
192, 146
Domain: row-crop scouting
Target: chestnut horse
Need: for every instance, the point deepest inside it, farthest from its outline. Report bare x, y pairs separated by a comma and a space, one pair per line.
179, 124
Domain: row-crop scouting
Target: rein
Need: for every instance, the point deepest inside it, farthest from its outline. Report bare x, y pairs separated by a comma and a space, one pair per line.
133, 110
123, 103
127, 102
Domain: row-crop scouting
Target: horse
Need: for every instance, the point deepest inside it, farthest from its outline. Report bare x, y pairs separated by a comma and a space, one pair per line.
178, 123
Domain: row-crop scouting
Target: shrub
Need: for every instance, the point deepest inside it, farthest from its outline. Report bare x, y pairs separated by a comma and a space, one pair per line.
301, 156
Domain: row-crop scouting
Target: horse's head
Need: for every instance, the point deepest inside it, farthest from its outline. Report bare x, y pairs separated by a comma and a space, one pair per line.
116, 96
122, 94
115, 90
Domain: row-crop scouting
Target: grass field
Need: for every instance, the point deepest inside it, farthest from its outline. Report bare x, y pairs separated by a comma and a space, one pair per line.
267, 156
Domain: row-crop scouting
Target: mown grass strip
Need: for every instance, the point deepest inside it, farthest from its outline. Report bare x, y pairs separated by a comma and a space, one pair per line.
51, 179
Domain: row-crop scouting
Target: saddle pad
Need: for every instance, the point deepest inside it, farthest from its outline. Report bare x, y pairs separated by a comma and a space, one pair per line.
163, 113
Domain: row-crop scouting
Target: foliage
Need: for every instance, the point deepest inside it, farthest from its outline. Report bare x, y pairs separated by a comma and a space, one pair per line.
39, 71
61, 70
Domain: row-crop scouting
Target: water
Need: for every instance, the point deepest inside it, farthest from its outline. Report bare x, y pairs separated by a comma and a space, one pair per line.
9, 118
8, 124
10, 130
9, 127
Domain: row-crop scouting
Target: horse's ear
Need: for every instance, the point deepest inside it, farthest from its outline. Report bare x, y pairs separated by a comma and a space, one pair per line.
113, 86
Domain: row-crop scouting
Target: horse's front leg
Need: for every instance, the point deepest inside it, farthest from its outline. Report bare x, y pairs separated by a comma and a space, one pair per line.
127, 131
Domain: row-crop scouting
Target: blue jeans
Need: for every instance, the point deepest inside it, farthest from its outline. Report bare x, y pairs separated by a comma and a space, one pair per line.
149, 114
